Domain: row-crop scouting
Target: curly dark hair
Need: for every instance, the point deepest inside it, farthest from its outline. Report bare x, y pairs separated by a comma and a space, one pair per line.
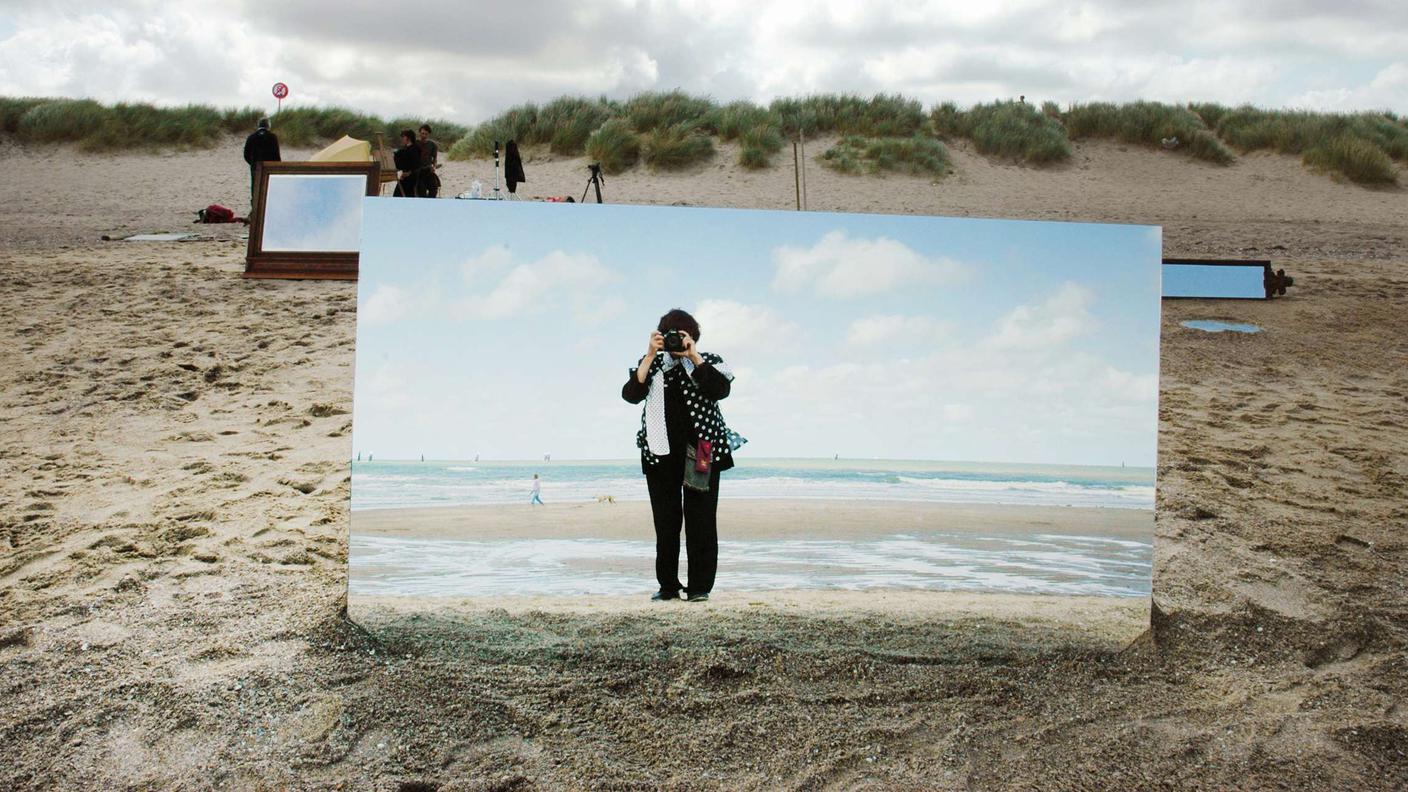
679, 319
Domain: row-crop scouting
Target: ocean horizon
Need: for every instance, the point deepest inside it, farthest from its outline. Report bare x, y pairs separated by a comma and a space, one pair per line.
408, 484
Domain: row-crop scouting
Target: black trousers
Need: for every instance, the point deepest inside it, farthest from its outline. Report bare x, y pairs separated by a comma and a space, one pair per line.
673, 504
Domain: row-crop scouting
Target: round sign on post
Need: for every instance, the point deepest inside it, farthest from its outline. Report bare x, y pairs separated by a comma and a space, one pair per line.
280, 91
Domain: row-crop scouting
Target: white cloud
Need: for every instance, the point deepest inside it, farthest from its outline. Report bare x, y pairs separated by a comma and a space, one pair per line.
891, 330
488, 264
386, 304
531, 287
841, 267
1064, 315
727, 327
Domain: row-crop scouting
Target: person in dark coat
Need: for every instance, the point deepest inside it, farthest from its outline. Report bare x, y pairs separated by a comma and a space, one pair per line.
407, 159
262, 146
684, 446
513, 167
427, 180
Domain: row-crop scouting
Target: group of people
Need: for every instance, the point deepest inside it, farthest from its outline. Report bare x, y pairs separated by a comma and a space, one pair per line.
416, 160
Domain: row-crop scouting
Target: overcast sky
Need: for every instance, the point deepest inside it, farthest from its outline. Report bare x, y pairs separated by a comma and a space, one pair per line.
467, 60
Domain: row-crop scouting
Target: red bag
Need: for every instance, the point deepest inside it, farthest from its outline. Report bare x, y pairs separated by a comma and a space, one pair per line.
215, 213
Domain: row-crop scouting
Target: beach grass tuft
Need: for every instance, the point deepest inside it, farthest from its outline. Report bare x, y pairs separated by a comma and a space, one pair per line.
648, 112
758, 145
13, 109
1146, 124
676, 146
566, 122
1355, 158
882, 115
734, 120
61, 120
918, 155
1015, 131
615, 145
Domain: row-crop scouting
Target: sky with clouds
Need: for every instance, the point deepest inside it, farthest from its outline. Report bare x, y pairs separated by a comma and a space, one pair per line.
466, 61
507, 330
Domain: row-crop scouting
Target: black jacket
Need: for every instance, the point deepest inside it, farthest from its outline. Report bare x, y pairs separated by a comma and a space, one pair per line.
262, 146
513, 167
691, 409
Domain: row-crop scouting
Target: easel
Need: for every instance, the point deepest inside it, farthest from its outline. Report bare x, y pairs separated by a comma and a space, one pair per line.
387, 164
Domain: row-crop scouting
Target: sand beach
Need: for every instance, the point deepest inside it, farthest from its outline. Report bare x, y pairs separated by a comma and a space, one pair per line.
174, 530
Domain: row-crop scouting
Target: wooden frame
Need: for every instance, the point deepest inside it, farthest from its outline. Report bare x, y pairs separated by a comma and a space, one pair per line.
313, 264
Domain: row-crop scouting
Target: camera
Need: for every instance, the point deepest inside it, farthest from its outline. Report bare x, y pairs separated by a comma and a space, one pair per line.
674, 341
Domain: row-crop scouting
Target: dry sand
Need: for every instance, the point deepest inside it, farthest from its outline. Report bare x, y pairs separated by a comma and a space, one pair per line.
173, 490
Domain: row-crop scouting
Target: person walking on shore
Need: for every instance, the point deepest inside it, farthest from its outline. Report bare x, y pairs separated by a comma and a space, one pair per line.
262, 146
537, 499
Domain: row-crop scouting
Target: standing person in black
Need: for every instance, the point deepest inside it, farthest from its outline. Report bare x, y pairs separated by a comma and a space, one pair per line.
684, 446
513, 168
262, 146
427, 180
407, 159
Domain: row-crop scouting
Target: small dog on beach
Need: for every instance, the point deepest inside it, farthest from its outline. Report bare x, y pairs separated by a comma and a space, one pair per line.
605, 499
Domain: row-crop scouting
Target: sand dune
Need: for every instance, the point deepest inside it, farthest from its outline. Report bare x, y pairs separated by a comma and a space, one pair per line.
173, 490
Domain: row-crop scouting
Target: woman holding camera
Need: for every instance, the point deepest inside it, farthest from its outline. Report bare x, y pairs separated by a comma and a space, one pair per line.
684, 446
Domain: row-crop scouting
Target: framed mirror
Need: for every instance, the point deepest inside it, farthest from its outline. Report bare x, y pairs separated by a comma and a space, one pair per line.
1222, 279
307, 219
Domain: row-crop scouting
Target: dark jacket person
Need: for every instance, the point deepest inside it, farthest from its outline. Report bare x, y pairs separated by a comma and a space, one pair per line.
681, 425
262, 146
427, 180
407, 159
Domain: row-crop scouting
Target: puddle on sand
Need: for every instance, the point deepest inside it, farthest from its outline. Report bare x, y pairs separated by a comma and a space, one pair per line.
1214, 326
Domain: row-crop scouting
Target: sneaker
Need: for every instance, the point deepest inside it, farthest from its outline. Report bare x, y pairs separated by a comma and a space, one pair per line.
661, 596
702, 596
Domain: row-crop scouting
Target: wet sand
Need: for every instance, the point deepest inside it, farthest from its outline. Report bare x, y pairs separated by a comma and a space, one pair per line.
754, 519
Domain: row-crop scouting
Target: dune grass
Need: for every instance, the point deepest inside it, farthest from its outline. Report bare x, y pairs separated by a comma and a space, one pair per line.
758, 145
676, 146
648, 112
1014, 131
1359, 146
142, 126
669, 130
1146, 124
882, 115
13, 109
615, 145
917, 155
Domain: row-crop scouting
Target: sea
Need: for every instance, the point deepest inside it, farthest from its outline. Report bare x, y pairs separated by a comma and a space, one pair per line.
403, 485
1028, 563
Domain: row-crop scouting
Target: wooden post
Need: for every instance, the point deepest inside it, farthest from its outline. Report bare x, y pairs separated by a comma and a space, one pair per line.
802, 137
797, 175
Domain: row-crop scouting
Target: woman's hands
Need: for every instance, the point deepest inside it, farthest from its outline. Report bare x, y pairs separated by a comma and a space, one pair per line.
657, 345
689, 350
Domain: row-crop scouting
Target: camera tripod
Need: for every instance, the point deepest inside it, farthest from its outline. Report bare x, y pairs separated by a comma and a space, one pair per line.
595, 180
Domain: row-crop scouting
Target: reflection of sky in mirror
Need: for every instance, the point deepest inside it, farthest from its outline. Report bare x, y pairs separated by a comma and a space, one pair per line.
867, 336
314, 212
1213, 280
